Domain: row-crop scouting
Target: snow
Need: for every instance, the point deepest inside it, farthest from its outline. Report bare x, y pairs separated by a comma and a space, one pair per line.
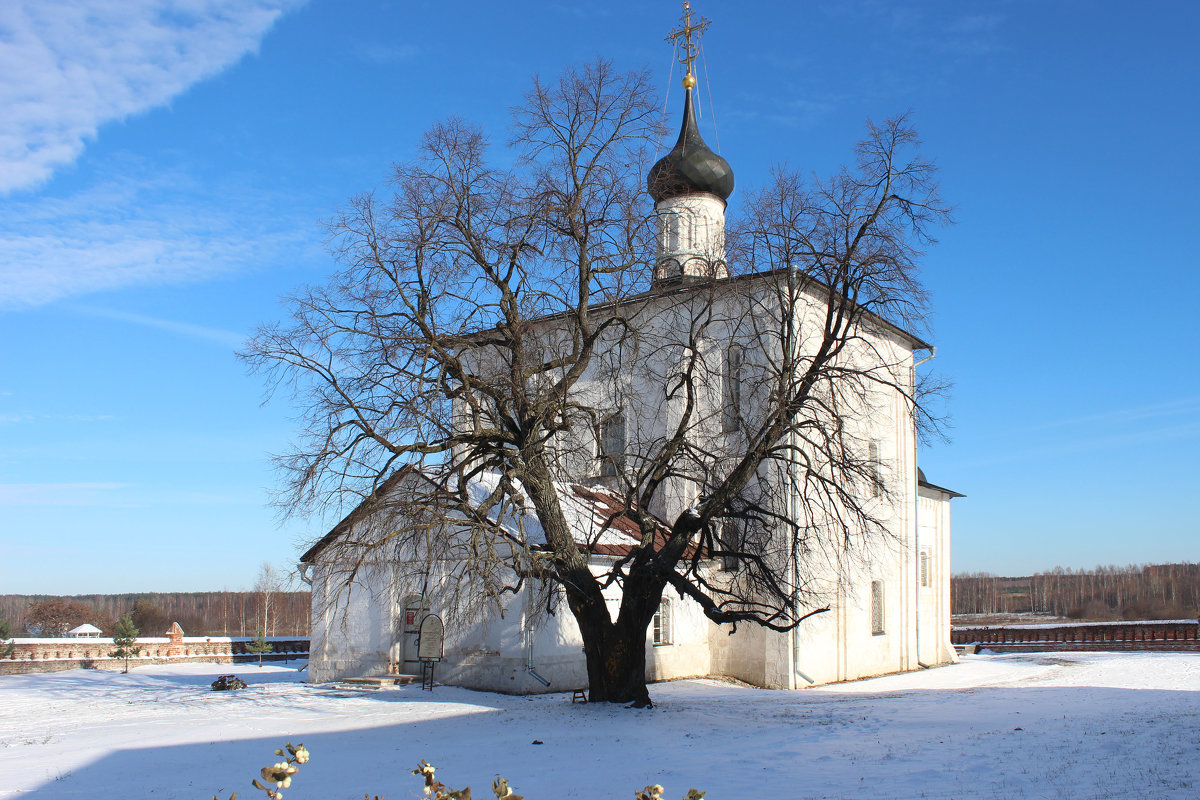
89, 641
1093, 725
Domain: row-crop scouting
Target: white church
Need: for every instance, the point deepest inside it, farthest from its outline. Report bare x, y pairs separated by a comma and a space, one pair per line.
888, 612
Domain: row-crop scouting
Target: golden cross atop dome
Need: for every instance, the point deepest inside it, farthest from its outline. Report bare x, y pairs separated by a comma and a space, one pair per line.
686, 31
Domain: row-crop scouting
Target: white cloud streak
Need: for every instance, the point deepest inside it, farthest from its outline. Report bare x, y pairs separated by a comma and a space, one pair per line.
220, 336
109, 494
141, 229
1185, 406
60, 494
71, 66
24, 417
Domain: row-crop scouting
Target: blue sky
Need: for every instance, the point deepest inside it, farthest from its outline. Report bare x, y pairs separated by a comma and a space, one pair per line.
164, 169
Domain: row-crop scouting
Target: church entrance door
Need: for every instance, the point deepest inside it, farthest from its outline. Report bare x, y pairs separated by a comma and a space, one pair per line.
412, 612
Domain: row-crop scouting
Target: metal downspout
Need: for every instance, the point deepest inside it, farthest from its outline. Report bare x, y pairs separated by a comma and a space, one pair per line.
529, 635
796, 671
917, 506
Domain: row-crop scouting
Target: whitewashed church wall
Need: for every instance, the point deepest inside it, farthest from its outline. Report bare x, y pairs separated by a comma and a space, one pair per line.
741, 654
838, 645
351, 633
842, 644
687, 655
868, 652
817, 652
934, 542
359, 635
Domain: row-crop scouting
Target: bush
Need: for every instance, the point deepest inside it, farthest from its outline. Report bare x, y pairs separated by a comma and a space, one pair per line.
1094, 609
227, 683
278, 777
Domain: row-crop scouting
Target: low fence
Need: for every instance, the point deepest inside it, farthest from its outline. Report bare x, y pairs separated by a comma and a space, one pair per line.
56, 655
1149, 635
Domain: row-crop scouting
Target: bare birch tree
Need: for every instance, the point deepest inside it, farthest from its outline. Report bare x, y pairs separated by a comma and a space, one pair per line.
267, 586
466, 361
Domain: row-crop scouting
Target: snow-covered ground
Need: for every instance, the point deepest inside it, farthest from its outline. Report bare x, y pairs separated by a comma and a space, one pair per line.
1080, 725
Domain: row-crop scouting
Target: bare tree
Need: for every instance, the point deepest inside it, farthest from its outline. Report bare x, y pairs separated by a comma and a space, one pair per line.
492, 328
267, 586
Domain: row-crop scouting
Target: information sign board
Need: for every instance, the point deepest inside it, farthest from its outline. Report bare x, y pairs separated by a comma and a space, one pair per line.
431, 642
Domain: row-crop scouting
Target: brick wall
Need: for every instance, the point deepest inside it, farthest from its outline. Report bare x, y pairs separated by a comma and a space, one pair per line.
56, 655
1149, 635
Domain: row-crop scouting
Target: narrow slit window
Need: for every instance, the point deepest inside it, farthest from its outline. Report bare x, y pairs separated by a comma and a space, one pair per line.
662, 623
612, 445
874, 470
876, 608
731, 418
730, 539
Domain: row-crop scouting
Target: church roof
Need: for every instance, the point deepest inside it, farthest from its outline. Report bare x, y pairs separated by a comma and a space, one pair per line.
677, 287
921, 481
357, 514
602, 525
691, 167
667, 288
596, 515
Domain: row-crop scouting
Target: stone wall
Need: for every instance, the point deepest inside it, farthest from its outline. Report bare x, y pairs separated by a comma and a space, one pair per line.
1148, 635
56, 655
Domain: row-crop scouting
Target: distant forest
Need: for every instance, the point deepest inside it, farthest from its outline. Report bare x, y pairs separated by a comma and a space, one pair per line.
198, 613
1158, 591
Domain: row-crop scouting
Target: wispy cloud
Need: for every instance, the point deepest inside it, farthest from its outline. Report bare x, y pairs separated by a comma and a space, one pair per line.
142, 227
1135, 430
1129, 442
23, 417
73, 65
230, 339
797, 112
116, 495
388, 53
1185, 406
972, 34
60, 494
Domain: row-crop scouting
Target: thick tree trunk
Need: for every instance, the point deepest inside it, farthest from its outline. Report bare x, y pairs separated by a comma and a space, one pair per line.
616, 651
616, 662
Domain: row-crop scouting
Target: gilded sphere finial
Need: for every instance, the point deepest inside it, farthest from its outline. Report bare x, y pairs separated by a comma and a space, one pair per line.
689, 81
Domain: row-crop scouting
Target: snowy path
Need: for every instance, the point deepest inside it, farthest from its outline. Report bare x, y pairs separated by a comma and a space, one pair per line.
1086, 725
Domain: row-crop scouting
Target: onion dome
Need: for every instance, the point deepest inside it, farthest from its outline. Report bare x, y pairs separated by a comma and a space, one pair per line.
691, 167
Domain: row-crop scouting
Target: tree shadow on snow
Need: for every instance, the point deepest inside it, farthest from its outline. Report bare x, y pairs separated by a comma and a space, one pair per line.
727, 740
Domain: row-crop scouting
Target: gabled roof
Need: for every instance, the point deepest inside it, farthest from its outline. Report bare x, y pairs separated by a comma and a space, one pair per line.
602, 526
347, 522
685, 285
922, 482
596, 515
